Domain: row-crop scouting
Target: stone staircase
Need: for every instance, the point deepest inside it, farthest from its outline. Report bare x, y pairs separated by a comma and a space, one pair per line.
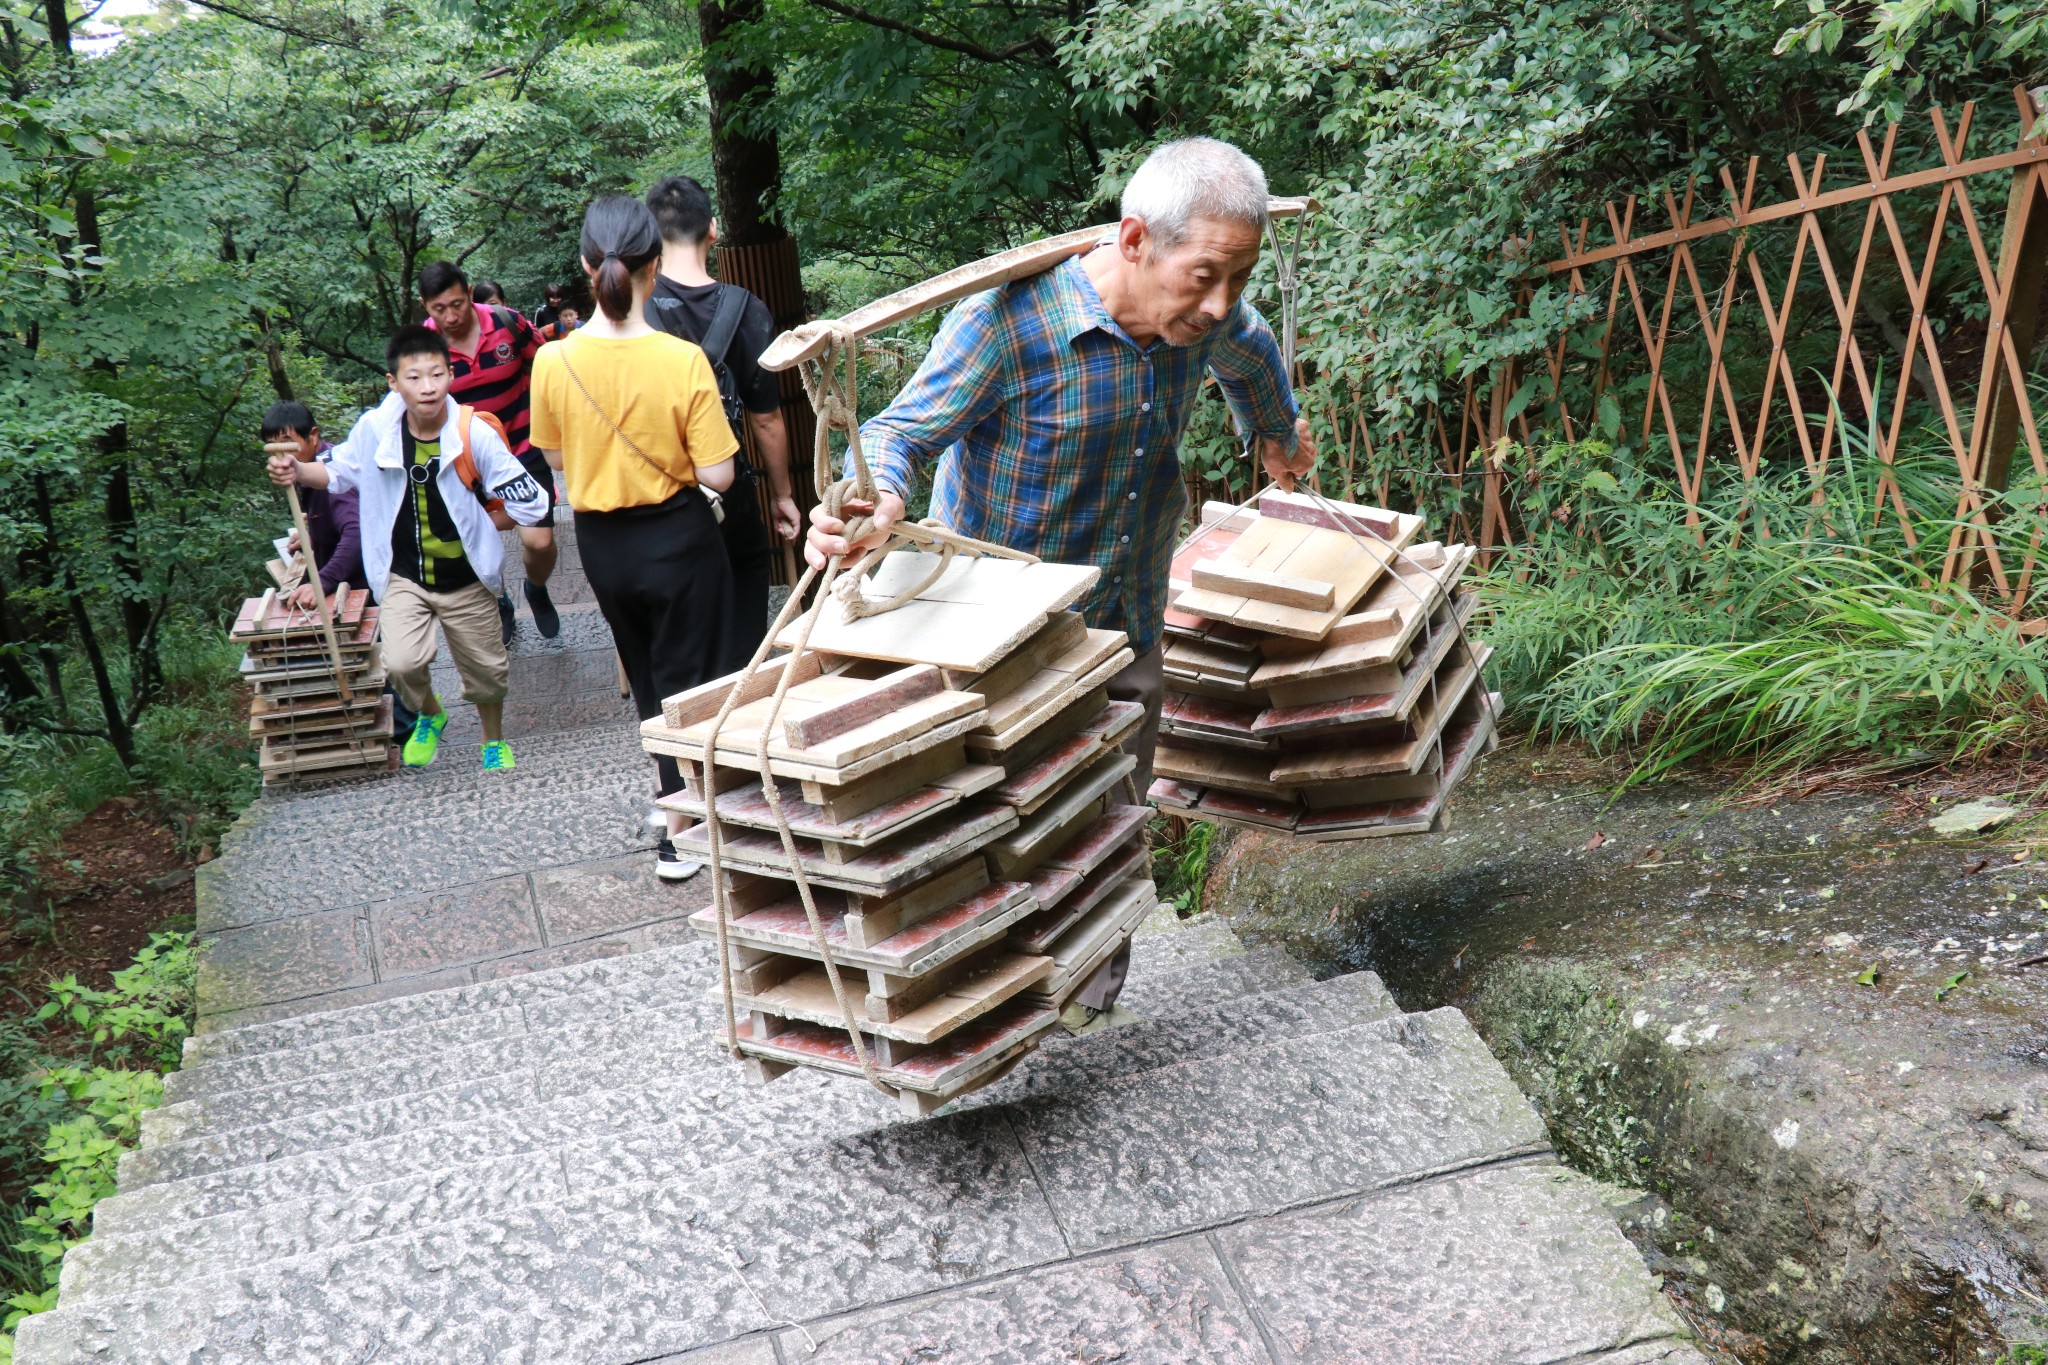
560, 1167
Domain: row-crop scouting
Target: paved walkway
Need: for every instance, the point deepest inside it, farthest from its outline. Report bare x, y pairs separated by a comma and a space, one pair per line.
340, 893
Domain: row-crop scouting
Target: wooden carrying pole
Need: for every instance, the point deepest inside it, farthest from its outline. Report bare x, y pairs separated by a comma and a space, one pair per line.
808, 342
291, 493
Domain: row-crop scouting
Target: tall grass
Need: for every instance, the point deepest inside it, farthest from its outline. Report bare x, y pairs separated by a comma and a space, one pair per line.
1785, 624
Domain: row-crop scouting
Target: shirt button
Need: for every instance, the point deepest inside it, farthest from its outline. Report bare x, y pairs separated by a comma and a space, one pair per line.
1126, 540
1118, 579
1132, 495
1144, 407
1141, 450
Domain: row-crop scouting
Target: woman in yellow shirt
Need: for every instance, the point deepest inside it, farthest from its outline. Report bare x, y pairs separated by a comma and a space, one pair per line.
631, 417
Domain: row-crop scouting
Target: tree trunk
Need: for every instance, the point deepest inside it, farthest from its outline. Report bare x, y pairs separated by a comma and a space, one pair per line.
754, 249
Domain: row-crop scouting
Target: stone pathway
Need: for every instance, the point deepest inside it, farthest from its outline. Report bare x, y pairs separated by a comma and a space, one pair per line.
341, 893
458, 1099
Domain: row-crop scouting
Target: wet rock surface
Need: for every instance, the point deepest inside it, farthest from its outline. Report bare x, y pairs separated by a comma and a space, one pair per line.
1813, 1032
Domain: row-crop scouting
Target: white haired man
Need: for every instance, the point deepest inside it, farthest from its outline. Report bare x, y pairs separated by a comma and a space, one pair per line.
1054, 406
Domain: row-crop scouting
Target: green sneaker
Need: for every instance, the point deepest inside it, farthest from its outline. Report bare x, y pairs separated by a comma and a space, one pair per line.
426, 739
498, 757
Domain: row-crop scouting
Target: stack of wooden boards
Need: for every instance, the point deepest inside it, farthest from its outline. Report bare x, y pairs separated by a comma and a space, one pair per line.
1319, 677
306, 717
950, 777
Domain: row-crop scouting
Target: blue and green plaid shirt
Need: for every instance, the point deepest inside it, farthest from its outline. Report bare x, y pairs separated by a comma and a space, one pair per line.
1058, 435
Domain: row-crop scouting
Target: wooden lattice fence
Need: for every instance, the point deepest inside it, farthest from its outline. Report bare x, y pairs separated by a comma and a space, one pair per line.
1893, 307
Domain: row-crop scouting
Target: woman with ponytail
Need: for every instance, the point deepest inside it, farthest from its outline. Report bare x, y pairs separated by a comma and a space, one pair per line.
632, 418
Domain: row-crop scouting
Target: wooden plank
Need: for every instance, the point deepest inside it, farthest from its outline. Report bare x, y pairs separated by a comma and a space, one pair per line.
1281, 589
657, 738
1297, 550
921, 769
945, 838
747, 805
967, 1058
1381, 693
1371, 522
371, 679
976, 613
1035, 933
870, 920
1096, 938
1360, 719
781, 927
1242, 808
884, 697
833, 694
808, 342
1028, 783
1205, 720
1024, 840
1061, 633
1169, 794
1397, 749
1086, 691
1376, 634
994, 978
268, 617
1036, 696
1086, 850
1469, 735
1208, 768
685, 709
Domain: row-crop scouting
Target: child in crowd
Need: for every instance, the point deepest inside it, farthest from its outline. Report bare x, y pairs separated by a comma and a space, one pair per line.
436, 482
330, 516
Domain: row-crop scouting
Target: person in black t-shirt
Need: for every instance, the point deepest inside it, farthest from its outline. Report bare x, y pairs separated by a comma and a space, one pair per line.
686, 303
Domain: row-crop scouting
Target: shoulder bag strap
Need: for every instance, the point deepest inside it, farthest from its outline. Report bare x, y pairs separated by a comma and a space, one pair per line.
725, 323
717, 503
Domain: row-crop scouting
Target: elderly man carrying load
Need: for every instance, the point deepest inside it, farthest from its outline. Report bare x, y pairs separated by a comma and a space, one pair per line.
1054, 408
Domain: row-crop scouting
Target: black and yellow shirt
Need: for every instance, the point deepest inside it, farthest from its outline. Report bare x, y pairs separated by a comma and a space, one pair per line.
425, 546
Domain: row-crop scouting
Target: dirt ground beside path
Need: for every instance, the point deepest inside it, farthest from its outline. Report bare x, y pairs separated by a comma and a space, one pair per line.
1811, 1032
118, 877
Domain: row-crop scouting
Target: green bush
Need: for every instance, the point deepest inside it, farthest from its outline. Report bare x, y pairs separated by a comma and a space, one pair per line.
109, 1050
1784, 624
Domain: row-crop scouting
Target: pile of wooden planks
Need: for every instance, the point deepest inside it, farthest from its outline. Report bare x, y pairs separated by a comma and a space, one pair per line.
1319, 677
955, 797
308, 717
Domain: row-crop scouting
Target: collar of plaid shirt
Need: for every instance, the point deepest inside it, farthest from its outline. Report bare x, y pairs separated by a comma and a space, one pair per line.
1053, 432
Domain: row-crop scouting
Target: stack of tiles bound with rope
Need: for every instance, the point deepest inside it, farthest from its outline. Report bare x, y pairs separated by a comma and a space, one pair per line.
308, 717
1320, 680
950, 775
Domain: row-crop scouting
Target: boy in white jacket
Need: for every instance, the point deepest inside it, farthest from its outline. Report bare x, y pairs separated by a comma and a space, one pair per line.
430, 522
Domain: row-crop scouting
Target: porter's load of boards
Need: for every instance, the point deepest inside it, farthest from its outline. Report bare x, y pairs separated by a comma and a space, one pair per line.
309, 715
952, 786
1320, 680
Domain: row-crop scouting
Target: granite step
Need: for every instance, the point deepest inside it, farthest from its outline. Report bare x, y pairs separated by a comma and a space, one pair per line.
588, 1056
406, 1024
726, 1118
610, 1095
521, 1037
633, 1270
1455, 1270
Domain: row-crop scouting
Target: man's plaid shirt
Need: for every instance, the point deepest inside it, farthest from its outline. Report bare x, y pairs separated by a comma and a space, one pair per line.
1058, 435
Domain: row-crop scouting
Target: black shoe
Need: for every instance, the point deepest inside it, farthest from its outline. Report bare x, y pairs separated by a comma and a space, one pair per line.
670, 865
545, 618
505, 617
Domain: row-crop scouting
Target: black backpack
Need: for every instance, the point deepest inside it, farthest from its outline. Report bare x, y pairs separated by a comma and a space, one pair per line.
667, 314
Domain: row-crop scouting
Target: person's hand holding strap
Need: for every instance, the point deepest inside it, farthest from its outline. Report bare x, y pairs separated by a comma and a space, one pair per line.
1284, 466
828, 533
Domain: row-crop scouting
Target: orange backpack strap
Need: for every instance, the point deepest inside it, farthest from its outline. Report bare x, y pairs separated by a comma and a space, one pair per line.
465, 460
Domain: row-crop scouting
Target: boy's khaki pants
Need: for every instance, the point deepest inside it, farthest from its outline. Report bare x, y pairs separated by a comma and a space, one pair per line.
468, 617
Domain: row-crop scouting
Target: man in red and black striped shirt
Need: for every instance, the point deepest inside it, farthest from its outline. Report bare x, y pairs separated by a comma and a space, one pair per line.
490, 353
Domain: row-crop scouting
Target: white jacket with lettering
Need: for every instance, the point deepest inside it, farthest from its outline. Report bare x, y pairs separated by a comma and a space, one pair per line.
372, 461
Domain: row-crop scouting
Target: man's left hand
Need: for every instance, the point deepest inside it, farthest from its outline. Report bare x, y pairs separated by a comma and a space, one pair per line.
1284, 466
788, 521
306, 597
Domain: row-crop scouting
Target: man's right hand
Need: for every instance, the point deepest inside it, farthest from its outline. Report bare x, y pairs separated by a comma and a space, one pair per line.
284, 462
828, 533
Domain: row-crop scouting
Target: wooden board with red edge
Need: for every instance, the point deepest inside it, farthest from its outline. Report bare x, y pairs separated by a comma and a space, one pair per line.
268, 616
